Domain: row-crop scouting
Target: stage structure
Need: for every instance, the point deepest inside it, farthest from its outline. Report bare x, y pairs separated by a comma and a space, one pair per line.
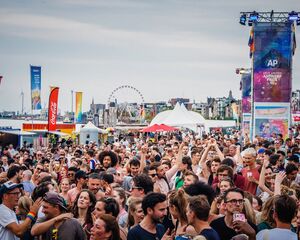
272, 44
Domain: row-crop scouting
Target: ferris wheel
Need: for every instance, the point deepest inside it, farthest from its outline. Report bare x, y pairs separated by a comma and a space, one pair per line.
127, 111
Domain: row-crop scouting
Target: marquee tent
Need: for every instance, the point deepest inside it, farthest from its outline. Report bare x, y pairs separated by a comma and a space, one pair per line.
179, 117
90, 133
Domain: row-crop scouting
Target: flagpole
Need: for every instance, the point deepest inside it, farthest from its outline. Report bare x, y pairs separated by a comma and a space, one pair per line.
31, 99
22, 109
72, 107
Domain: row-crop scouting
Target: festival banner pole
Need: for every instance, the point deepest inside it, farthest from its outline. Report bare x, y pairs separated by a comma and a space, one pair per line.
78, 109
35, 80
52, 109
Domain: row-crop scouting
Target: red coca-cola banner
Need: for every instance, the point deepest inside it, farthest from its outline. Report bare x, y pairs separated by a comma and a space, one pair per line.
52, 109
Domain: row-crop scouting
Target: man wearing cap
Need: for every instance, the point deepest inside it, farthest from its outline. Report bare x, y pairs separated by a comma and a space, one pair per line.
57, 223
10, 229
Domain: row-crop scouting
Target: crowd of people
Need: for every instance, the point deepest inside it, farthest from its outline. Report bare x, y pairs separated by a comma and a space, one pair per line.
173, 186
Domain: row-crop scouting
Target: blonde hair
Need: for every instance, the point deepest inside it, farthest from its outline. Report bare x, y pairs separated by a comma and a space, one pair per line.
249, 212
266, 213
24, 205
132, 203
214, 206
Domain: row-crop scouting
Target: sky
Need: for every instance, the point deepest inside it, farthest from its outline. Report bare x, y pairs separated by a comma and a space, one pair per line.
163, 48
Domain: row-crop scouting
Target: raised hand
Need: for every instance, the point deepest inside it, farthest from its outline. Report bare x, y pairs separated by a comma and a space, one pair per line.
280, 177
36, 205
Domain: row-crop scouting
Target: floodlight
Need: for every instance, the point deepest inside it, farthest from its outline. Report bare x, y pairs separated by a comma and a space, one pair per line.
253, 17
243, 19
293, 16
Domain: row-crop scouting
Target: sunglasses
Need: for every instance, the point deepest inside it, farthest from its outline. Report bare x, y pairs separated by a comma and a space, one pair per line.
39, 169
132, 188
235, 201
153, 175
15, 193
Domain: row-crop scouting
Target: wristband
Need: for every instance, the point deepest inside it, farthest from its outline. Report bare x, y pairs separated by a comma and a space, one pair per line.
31, 216
32, 213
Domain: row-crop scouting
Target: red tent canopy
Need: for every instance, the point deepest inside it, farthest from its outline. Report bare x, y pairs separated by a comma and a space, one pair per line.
159, 128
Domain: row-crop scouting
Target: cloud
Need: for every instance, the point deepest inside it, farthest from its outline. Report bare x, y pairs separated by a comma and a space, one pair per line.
52, 28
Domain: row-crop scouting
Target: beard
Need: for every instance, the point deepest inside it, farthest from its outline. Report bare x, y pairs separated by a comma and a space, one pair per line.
156, 220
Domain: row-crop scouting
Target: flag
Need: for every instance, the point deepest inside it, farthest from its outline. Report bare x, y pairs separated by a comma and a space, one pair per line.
78, 109
35, 72
52, 109
142, 112
234, 108
251, 42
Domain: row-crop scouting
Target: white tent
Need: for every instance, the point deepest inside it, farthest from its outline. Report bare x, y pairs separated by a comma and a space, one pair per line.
89, 133
179, 117
196, 116
160, 117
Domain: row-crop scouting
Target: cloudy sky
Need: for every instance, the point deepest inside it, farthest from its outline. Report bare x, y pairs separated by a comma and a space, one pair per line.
164, 48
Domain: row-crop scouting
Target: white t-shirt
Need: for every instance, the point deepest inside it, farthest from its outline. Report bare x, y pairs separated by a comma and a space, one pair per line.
7, 216
276, 233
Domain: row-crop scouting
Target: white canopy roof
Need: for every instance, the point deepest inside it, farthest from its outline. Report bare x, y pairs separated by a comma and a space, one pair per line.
91, 127
159, 118
18, 132
179, 117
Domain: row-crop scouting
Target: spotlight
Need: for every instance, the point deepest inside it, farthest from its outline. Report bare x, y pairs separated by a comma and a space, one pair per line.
243, 19
252, 18
293, 16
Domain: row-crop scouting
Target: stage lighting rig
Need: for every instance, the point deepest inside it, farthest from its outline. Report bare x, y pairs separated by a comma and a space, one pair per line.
243, 19
269, 17
293, 16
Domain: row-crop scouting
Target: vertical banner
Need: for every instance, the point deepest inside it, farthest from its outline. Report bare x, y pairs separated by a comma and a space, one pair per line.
272, 78
272, 62
78, 109
35, 75
52, 109
246, 102
246, 92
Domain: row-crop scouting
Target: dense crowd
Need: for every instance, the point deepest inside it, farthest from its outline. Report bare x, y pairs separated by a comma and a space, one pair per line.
171, 186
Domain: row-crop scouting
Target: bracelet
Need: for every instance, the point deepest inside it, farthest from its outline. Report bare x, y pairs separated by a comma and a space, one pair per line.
32, 213
31, 216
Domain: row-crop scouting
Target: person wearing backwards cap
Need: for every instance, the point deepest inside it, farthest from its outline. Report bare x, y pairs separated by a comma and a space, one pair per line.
57, 223
10, 229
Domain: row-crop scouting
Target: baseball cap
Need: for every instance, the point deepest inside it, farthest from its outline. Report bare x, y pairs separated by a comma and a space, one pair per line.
261, 150
9, 186
56, 199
